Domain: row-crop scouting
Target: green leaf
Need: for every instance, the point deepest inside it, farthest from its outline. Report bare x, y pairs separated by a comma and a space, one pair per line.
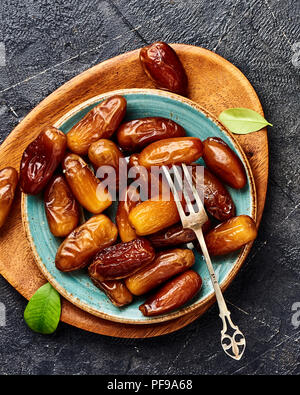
43, 310
242, 120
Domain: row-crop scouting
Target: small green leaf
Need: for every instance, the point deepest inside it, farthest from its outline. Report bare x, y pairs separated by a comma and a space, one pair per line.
43, 310
242, 120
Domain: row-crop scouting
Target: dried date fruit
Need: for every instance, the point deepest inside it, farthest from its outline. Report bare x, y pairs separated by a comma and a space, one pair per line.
8, 184
172, 236
84, 242
62, 210
121, 260
132, 199
217, 199
173, 294
86, 188
173, 151
40, 159
115, 290
175, 235
99, 123
224, 163
139, 174
104, 152
135, 135
163, 66
167, 264
152, 216
231, 235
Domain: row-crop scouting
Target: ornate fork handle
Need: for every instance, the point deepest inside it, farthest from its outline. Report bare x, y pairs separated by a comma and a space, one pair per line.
232, 347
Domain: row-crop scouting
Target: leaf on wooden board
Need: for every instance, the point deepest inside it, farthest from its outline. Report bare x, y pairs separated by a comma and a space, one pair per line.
242, 120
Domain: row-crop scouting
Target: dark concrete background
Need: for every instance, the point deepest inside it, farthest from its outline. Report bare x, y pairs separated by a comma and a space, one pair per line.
47, 43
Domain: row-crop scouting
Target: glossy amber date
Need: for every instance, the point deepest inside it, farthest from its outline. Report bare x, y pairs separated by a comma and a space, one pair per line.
171, 151
167, 264
121, 260
100, 123
132, 199
173, 294
162, 65
152, 216
139, 173
224, 163
62, 210
105, 152
8, 184
231, 235
86, 188
217, 200
40, 159
175, 235
134, 135
84, 242
115, 290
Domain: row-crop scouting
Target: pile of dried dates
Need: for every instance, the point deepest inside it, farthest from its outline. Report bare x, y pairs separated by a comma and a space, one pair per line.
145, 250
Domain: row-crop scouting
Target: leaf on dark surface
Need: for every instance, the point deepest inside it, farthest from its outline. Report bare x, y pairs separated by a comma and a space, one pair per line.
43, 310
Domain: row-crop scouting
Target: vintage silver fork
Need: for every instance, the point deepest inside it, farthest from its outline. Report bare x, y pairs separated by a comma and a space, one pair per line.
232, 347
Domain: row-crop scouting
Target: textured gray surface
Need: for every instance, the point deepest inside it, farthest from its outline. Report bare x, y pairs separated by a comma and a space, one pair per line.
49, 42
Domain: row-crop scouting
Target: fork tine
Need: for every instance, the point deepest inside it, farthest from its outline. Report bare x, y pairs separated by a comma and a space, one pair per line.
191, 184
185, 194
174, 191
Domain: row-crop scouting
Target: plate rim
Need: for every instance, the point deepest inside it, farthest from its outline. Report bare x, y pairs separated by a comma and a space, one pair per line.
185, 310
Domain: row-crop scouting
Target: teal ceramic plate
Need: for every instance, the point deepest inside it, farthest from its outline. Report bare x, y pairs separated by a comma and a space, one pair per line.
76, 286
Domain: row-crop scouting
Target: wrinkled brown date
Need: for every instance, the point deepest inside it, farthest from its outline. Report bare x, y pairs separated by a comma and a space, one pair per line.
101, 122
224, 163
40, 159
231, 235
175, 235
121, 260
132, 199
162, 65
86, 187
171, 151
217, 199
166, 265
134, 135
8, 184
84, 242
173, 294
115, 290
62, 210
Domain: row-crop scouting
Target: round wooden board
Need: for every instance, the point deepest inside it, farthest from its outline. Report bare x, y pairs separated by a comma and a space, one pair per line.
214, 83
